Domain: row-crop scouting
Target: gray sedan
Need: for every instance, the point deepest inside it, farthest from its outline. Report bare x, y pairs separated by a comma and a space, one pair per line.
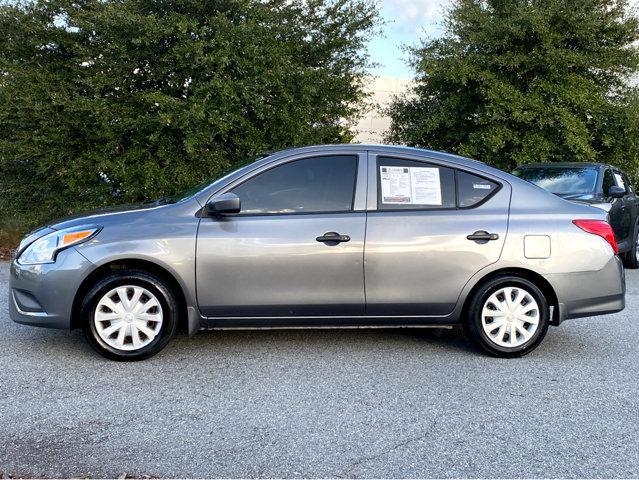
327, 236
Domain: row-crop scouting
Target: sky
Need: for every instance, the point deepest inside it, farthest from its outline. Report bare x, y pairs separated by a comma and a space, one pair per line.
406, 22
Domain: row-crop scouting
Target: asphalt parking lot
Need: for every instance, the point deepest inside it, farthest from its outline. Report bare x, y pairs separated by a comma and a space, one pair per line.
323, 403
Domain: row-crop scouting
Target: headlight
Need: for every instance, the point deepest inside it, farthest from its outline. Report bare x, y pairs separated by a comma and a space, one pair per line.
46, 248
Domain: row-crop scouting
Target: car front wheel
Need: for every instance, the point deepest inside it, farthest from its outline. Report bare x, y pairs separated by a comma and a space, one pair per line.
507, 317
129, 315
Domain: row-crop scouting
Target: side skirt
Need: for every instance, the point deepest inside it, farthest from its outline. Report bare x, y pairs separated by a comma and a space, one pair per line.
317, 327
270, 323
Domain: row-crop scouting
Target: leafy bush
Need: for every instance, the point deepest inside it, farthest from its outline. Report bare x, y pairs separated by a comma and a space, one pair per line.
115, 101
520, 81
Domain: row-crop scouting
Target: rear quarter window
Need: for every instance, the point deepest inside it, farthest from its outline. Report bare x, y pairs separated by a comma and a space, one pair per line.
473, 189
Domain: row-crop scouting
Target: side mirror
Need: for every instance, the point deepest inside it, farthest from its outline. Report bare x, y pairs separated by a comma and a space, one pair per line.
616, 192
226, 204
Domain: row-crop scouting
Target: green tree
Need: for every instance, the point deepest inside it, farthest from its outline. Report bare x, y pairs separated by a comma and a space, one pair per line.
518, 81
112, 101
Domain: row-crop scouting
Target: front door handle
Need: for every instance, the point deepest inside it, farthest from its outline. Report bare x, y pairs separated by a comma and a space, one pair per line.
333, 237
482, 235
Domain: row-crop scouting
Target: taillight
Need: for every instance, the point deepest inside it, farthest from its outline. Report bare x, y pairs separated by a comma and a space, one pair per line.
601, 228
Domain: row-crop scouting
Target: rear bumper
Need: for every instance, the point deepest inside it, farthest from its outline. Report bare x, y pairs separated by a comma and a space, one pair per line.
586, 294
43, 295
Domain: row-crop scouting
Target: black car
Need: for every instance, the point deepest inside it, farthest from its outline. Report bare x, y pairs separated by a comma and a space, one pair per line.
596, 184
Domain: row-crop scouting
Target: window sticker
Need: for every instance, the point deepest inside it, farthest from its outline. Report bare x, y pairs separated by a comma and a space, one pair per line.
482, 186
425, 186
395, 185
619, 180
411, 185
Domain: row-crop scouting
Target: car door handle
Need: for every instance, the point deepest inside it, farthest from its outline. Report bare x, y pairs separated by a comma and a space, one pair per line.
483, 235
333, 237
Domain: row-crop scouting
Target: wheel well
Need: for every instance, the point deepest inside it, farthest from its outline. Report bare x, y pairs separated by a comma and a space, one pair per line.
535, 278
135, 264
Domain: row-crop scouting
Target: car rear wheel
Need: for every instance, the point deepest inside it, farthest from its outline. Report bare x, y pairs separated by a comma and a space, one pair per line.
631, 257
129, 315
507, 317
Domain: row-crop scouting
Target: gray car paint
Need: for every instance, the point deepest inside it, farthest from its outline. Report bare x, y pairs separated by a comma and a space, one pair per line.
271, 265
271, 272
418, 261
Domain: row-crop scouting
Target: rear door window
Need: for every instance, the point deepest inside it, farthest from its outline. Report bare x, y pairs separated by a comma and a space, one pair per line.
414, 185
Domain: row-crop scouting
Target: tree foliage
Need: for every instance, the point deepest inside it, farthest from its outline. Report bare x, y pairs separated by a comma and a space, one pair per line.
111, 101
518, 81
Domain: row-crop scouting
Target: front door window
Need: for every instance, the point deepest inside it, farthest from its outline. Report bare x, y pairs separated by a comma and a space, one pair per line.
311, 185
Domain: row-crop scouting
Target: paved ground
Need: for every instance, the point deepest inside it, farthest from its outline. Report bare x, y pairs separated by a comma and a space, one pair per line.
378, 403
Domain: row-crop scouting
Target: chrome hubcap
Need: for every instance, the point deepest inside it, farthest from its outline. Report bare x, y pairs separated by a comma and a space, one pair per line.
128, 317
637, 249
510, 317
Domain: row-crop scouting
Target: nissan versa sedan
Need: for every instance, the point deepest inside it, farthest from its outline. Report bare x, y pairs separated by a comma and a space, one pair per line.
326, 236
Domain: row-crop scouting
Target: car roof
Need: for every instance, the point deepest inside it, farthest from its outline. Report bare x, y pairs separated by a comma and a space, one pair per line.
563, 164
396, 149
362, 146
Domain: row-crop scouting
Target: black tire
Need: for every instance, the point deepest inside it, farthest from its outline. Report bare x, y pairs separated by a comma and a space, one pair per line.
154, 285
630, 257
474, 330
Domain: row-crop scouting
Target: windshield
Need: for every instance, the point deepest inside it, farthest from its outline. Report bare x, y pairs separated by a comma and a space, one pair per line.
561, 180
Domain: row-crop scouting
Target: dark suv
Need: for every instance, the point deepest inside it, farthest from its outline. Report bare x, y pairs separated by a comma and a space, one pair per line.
596, 184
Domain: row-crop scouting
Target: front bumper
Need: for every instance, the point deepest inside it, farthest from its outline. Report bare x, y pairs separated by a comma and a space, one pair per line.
43, 295
586, 294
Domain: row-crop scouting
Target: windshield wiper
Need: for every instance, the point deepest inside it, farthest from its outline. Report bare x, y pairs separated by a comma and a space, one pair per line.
572, 196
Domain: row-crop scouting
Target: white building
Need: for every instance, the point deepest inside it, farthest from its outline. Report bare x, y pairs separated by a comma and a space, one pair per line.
374, 124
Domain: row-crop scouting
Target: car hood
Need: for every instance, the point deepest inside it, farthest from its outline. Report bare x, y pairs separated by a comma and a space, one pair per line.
99, 215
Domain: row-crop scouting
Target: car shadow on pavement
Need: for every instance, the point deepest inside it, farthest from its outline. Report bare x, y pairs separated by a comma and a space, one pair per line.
335, 340
571, 339
425, 341
55, 343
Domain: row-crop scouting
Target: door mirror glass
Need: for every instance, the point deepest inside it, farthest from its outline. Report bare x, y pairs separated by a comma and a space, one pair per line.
616, 192
226, 204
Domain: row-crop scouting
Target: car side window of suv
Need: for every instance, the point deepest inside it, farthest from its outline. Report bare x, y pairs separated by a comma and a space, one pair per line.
629, 186
608, 181
473, 189
619, 180
413, 185
320, 184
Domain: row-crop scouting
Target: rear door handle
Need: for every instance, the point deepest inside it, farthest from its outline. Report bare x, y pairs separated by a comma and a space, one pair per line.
483, 235
333, 237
